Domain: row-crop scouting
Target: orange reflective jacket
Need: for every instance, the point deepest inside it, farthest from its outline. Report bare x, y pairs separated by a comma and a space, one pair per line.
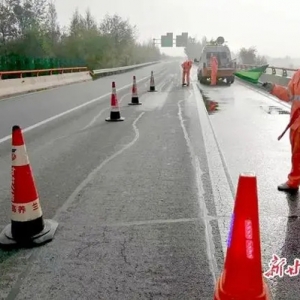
290, 94
187, 65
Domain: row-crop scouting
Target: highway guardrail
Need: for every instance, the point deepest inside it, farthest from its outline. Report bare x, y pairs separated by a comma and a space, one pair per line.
106, 72
43, 72
277, 75
4, 75
272, 70
24, 81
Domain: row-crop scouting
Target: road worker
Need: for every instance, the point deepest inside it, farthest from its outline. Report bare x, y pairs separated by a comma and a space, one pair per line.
186, 69
214, 70
291, 94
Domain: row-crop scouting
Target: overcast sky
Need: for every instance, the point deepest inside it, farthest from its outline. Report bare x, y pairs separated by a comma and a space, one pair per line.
271, 26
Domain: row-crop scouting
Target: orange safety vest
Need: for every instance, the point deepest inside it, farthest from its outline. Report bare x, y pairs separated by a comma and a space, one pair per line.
294, 98
187, 65
213, 60
292, 95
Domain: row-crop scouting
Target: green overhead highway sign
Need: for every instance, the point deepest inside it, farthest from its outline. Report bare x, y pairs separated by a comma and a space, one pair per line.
182, 40
167, 40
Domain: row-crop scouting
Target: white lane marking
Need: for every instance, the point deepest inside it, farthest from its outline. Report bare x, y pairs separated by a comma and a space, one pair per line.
91, 176
210, 247
149, 222
55, 117
160, 85
53, 88
223, 197
99, 114
107, 108
168, 84
87, 126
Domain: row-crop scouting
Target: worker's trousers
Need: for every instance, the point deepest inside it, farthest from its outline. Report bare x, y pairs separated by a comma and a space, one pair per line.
294, 176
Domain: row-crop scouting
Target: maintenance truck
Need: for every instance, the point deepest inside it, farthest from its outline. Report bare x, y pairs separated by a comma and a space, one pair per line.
226, 66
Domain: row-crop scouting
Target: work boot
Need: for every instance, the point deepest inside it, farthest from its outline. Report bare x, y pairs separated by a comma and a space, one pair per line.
286, 188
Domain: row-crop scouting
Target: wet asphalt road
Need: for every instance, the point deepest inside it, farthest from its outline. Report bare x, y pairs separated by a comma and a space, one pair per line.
129, 198
36, 107
144, 205
246, 125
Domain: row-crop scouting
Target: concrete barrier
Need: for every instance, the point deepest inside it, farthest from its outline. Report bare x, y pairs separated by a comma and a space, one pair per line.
96, 74
12, 87
275, 79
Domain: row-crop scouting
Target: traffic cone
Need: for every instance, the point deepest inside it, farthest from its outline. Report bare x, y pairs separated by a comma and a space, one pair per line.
242, 278
27, 228
135, 97
152, 83
115, 114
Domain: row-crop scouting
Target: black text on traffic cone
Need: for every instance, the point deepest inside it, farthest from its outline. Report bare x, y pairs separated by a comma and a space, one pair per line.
152, 83
27, 228
135, 96
115, 115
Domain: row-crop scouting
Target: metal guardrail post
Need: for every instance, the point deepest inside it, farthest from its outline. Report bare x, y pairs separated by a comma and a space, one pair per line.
284, 73
273, 71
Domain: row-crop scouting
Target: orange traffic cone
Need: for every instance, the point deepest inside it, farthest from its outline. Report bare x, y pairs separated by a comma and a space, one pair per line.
242, 276
115, 114
135, 97
27, 226
152, 83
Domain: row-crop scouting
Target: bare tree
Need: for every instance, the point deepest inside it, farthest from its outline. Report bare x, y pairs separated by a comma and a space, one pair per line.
30, 29
249, 56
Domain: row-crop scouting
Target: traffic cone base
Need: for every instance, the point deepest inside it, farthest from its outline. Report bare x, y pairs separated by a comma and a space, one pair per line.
220, 294
115, 116
23, 230
152, 89
27, 225
135, 101
44, 236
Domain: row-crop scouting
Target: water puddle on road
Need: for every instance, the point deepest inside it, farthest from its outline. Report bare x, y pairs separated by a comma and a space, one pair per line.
274, 110
211, 106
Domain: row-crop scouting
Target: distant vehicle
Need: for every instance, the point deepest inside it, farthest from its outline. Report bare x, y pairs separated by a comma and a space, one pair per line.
226, 66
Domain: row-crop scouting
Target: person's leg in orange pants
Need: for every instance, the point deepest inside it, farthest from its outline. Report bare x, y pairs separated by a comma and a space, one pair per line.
213, 76
188, 77
292, 185
183, 77
294, 176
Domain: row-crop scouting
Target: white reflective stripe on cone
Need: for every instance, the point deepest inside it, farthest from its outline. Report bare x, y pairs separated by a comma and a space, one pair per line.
19, 156
115, 108
22, 212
